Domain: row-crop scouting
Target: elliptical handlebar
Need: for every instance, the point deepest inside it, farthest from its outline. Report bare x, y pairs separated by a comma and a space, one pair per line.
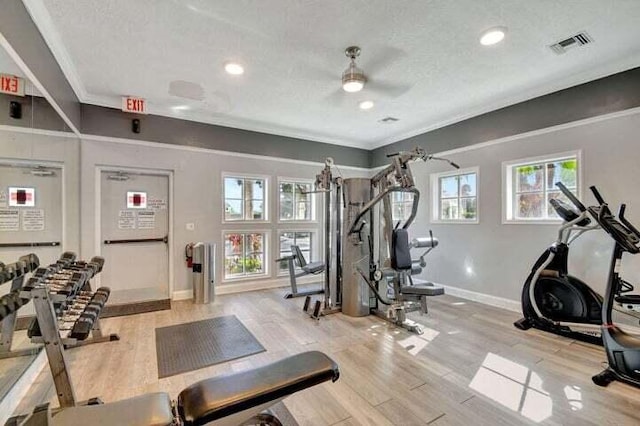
625, 222
571, 197
597, 195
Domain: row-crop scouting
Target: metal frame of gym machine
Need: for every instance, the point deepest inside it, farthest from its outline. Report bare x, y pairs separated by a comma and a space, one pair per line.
350, 291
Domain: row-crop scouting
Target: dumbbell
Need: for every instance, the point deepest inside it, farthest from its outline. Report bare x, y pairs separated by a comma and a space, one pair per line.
31, 261
10, 303
82, 328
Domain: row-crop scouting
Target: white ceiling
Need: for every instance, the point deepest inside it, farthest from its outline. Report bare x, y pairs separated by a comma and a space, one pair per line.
293, 55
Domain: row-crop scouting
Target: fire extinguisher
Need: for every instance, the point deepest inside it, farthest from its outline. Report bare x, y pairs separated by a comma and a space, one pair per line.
188, 254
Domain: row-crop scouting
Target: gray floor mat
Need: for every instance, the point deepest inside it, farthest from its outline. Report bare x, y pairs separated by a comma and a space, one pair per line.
193, 345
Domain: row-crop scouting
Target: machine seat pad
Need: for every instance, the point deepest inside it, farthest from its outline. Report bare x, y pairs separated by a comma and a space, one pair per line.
152, 409
313, 267
221, 396
423, 290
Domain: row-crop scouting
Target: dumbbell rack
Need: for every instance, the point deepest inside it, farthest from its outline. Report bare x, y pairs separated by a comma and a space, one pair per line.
11, 302
66, 313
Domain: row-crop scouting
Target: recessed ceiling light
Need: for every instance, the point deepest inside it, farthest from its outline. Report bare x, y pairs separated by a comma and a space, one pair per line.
493, 36
181, 107
366, 104
233, 68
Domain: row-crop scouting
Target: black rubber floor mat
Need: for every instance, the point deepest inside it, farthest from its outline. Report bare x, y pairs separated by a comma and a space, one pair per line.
193, 345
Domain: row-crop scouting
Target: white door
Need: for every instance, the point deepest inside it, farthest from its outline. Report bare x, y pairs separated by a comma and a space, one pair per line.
134, 215
30, 212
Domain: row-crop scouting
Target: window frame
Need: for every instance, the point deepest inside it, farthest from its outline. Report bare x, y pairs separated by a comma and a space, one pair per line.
265, 201
266, 235
435, 196
508, 185
314, 203
313, 247
404, 202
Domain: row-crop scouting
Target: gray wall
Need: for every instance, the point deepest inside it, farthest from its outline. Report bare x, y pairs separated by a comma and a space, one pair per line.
614, 93
494, 258
196, 172
112, 122
36, 113
23, 36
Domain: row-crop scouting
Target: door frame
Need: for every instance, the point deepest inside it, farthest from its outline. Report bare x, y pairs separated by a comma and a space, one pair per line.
54, 165
98, 211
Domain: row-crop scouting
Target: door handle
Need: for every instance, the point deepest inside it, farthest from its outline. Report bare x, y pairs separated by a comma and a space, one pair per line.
164, 239
34, 244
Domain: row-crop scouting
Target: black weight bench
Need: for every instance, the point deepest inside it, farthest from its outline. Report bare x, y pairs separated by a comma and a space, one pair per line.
232, 399
297, 259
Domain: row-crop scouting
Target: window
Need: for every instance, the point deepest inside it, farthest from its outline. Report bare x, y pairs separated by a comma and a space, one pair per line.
302, 239
530, 184
296, 204
455, 196
244, 199
244, 254
401, 205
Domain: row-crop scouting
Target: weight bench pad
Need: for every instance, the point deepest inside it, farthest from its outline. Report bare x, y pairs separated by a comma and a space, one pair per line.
313, 267
423, 290
152, 409
221, 396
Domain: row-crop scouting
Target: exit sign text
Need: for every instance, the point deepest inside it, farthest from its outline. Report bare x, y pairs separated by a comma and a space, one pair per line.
11, 85
136, 105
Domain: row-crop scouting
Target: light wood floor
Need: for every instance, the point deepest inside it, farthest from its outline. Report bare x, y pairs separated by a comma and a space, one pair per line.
471, 367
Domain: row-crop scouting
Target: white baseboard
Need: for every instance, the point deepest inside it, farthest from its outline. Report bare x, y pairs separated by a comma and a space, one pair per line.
499, 302
182, 295
243, 286
12, 399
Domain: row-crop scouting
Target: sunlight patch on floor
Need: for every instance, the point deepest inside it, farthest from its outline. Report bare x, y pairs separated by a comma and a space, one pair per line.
514, 386
415, 343
574, 396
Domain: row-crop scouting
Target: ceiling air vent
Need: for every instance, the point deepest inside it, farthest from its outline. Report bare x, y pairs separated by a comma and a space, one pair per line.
577, 40
389, 120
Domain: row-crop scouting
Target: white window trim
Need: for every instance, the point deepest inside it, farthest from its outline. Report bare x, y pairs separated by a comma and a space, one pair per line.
435, 196
314, 202
507, 185
315, 246
266, 178
265, 251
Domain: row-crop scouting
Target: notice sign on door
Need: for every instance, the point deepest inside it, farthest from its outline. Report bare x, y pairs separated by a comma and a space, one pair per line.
146, 219
9, 220
33, 220
22, 197
127, 219
136, 200
157, 204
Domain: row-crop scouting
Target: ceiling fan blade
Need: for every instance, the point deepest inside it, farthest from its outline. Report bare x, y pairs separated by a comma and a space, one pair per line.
338, 98
386, 88
376, 58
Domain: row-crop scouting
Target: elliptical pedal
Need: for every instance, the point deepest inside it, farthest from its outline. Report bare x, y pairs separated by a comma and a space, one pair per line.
523, 324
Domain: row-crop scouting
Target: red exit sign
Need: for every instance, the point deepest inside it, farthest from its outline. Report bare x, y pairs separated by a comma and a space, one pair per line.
136, 105
11, 85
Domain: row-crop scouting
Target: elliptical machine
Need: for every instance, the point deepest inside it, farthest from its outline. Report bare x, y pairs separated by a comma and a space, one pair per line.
552, 299
623, 350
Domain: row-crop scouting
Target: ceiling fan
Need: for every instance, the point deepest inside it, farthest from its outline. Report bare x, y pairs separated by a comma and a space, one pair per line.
355, 80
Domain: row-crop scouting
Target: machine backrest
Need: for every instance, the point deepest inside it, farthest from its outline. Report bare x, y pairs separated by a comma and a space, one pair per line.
299, 257
401, 251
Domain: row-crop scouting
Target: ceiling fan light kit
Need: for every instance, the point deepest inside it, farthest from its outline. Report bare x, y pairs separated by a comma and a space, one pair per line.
353, 78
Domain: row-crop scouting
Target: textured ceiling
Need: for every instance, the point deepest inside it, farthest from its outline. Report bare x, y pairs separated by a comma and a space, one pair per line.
425, 53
